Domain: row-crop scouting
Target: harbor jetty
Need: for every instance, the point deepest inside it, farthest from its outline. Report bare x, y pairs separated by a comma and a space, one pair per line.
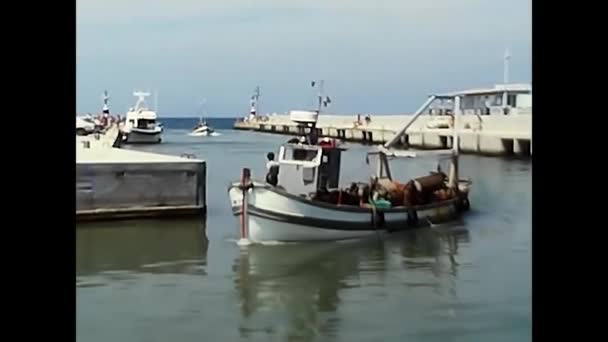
113, 183
495, 121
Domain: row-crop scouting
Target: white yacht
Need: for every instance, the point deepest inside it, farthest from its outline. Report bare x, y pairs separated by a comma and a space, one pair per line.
141, 125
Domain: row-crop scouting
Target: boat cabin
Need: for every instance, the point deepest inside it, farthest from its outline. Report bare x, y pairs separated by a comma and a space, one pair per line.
142, 119
140, 116
304, 169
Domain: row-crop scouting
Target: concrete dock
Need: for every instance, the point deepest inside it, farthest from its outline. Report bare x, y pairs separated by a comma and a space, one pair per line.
479, 134
113, 183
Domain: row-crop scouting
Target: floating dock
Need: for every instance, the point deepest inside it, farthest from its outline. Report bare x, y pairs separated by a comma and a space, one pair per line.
113, 183
479, 134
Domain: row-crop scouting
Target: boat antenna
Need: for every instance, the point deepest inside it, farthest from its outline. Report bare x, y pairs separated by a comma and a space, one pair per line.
156, 101
141, 99
202, 109
323, 101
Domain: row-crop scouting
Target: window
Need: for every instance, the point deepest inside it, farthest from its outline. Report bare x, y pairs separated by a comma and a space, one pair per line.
498, 100
511, 100
308, 175
306, 155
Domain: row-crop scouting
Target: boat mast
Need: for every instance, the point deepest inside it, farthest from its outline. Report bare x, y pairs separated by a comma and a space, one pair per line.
323, 101
141, 99
156, 101
320, 96
202, 114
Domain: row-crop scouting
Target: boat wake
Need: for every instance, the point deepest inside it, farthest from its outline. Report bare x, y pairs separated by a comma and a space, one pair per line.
243, 242
247, 242
205, 134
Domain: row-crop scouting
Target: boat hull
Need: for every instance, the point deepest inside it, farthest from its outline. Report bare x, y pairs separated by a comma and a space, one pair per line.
204, 134
142, 137
203, 131
270, 214
263, 227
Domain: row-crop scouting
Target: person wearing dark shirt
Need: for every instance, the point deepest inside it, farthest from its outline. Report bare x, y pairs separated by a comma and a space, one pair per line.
272, 168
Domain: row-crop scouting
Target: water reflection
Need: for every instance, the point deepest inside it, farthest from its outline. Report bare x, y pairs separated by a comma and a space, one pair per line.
294, 290
432, 256
124, 247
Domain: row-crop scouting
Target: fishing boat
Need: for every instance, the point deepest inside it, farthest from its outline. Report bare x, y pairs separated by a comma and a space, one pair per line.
304, 200
202, 129
141, 126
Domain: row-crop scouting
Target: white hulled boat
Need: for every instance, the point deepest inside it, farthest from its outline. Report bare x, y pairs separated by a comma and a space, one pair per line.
203, 129
141, 125
302, 200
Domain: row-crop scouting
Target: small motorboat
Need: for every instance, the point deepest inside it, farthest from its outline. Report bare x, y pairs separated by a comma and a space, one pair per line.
203, 129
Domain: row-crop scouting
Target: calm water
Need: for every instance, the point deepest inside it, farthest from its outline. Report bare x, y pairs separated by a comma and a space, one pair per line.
187, 280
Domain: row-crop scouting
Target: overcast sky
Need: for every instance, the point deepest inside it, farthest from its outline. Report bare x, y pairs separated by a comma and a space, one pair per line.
376, 56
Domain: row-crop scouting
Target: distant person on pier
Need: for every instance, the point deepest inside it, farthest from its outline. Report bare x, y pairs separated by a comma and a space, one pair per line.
272, 168
358, 121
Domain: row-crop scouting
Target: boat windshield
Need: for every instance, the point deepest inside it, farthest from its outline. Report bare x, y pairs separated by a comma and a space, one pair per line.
305, 155
145, 124
300, 153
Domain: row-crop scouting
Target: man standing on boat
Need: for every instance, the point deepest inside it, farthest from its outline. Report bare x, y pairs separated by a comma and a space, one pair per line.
313, 136
272, 168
